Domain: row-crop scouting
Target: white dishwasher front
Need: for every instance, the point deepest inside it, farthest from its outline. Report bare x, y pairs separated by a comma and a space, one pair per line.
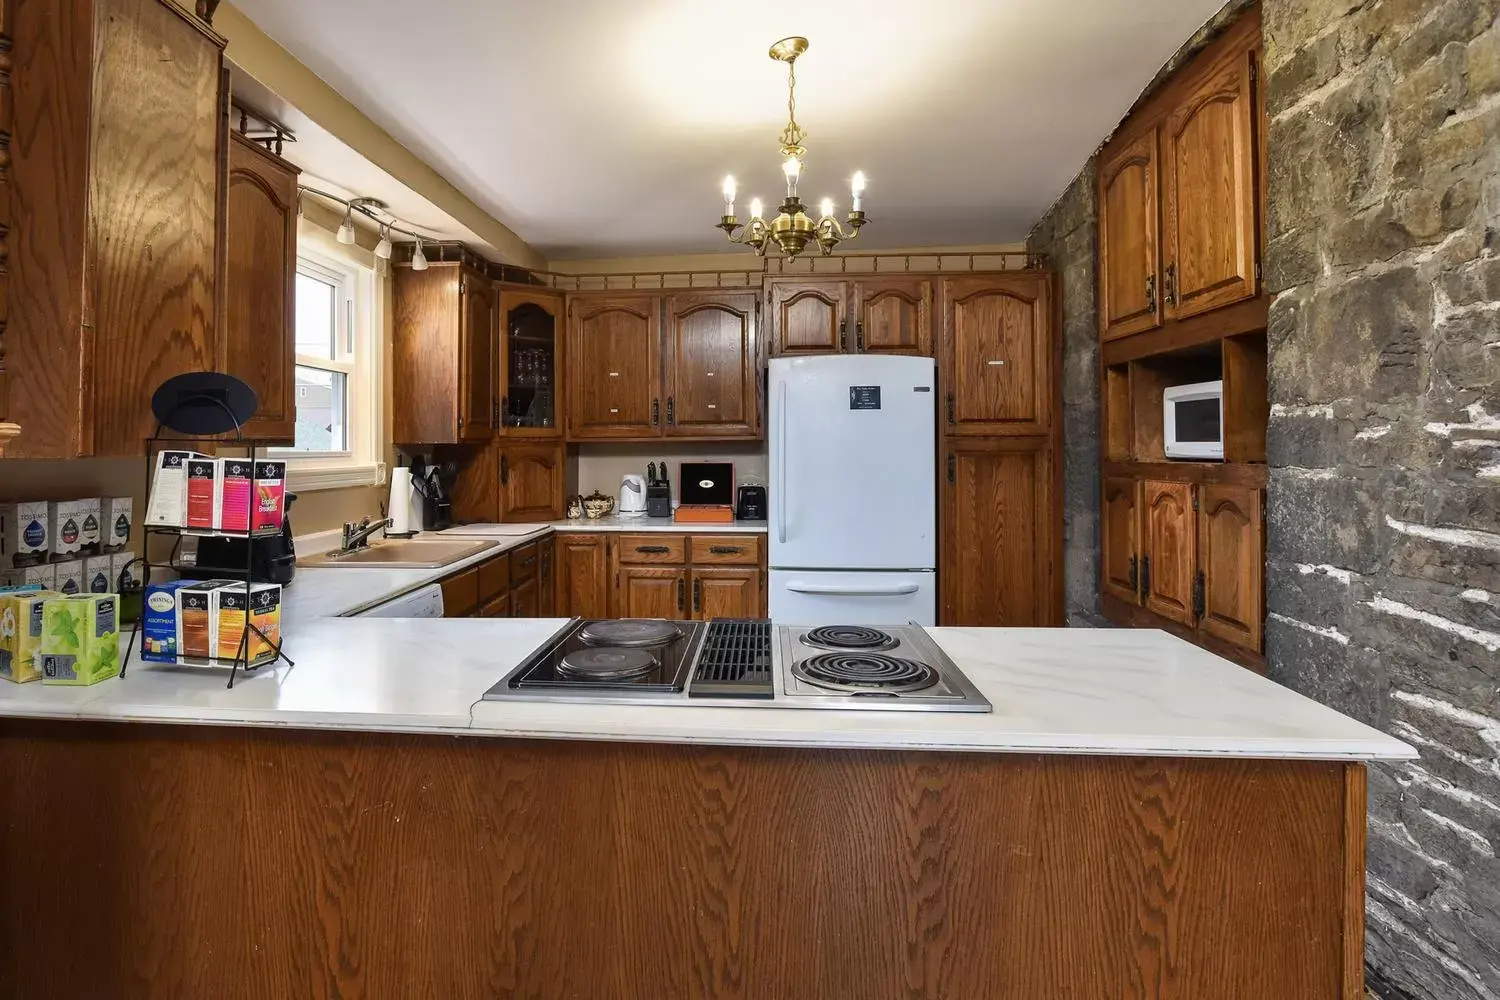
424, 602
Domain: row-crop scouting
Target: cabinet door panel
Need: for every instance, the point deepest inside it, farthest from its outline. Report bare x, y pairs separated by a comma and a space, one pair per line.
476, 359
523, 600
1119, 570
582, 571
1232, 561
260, 233
808, 317
998, 544
529, 363
498, 607
893, 316
726, 593
1171, 548
997, 354
546, 577
1209, 193
531, 481
651, 593
614, 367
1130, 291
711, 364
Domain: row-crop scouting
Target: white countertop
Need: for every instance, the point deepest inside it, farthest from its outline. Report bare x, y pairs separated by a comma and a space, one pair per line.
1090, 691
615, 522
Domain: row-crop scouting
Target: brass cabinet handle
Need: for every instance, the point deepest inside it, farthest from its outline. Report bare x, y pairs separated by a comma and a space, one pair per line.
1135, 574
950, 408
671, 410
653, 550
1199, 599
681, 592
504, 469
725, 550
655, 412
1151, 293
859, 336
1171, 284
697, 594
1145, 576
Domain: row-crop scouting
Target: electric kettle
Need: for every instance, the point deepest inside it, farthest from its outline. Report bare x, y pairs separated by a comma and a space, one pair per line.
632, 496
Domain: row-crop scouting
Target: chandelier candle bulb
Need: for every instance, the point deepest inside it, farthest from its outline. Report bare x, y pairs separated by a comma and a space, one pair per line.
857, 189
756, 208
825, 208
729, 191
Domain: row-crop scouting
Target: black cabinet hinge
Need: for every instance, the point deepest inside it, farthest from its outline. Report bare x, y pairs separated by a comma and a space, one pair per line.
1145, 576
1135, 574
1198, 596
952, 468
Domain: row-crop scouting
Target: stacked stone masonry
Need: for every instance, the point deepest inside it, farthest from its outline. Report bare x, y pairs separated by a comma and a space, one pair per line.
1383, 547
1384, 448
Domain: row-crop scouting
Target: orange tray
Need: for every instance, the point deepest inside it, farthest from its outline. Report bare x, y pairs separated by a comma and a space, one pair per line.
704, 514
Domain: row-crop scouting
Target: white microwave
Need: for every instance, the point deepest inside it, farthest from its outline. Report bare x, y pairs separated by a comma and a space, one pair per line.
1193, 420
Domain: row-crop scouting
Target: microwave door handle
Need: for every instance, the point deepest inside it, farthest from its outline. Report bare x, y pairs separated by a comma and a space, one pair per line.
781, 466
852, 589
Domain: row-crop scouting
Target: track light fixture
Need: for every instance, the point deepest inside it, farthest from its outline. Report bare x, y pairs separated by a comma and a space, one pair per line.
419, 259
346, 231
383, 248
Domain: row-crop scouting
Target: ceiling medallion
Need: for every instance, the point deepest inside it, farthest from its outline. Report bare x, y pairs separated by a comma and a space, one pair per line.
792, 229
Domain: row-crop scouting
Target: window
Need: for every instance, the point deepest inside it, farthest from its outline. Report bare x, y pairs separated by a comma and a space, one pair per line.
337, 440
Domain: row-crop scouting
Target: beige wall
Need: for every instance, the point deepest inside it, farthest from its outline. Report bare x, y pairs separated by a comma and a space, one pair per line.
255, 52
601, 466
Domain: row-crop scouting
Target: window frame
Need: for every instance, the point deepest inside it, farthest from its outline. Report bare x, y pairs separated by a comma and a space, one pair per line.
357, 355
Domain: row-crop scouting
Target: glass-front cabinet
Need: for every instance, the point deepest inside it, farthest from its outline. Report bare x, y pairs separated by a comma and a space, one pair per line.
530, 362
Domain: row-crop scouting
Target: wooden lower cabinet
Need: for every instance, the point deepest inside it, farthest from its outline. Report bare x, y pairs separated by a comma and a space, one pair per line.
650, 592
524, 599
546, 579
1198, 549
1170, 557
498, 607
1231, 561
461, 594
998, 533
583, 577
728, 592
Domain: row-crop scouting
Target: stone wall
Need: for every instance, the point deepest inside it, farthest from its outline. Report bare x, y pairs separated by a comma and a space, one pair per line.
1384, 494
1068, 234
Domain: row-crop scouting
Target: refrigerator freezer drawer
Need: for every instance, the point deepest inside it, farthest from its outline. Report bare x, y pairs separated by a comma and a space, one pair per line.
820, 597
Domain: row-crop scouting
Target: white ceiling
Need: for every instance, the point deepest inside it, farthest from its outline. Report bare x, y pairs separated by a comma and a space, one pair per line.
597, 128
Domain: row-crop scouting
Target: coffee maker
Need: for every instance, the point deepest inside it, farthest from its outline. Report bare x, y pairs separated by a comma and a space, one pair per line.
272, 558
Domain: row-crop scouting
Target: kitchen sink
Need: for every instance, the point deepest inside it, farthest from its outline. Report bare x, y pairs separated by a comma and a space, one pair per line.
401, 553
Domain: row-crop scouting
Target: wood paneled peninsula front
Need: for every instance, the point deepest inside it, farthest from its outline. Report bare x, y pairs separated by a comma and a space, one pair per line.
1137, 818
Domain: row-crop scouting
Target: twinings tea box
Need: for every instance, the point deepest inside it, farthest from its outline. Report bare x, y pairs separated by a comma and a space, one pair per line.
234, 494
21, 634
203, 484
270, 496
159, 620
230, 604
65, 526
98, 576
70, 578
43, 576
117, 520
23, 533
196, 638
91, 532
80, 639
168, 506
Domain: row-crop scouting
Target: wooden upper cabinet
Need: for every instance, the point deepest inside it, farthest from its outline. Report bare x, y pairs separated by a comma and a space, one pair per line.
1231, 581
1170, 556
1130, 294
529, 356
113, 188
478, 401
997, 356
893, 316
531, 481
997, 530
581, 570
614, 367
260, 281
1209, 193
808, 317
1120, 539
710, 362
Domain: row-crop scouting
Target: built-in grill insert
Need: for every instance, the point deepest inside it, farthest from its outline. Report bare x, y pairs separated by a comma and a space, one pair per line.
735, 662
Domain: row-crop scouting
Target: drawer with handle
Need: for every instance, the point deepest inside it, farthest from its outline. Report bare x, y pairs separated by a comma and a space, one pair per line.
652, 549
726, 550
523, 563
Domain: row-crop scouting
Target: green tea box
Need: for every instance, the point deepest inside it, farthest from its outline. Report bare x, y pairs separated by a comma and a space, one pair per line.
80, 639
21, 634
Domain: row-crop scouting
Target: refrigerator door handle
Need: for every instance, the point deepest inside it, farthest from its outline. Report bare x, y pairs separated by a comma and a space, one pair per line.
781, 469
851, 589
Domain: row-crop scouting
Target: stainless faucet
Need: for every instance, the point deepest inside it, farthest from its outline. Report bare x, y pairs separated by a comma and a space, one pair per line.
357, 536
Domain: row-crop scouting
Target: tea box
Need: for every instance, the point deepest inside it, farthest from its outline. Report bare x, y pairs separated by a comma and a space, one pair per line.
80, 641
70, 578
23, 533
159, 620
21, 634
117, 520
230, 605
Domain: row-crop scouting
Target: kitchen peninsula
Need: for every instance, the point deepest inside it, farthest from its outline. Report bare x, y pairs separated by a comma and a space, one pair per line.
1131, 812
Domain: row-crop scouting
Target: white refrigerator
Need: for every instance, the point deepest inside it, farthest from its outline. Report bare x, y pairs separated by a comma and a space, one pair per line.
853, 482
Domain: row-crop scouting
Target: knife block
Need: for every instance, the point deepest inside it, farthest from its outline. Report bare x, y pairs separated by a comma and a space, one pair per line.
658, 501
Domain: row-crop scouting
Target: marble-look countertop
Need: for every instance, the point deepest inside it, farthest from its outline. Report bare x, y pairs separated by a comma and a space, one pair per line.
615, 522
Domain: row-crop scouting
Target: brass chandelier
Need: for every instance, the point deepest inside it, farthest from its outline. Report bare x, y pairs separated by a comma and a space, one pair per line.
792, 229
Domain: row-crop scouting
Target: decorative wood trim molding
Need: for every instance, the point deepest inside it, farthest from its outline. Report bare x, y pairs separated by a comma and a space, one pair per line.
7, 115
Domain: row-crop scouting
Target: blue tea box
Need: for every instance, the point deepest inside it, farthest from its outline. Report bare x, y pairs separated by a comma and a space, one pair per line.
159, 621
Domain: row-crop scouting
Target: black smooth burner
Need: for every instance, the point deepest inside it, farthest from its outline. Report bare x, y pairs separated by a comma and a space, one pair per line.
629, 632
866, 672
849, 637
602, 663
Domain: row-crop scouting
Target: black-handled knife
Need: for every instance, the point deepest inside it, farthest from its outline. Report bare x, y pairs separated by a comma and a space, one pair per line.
650, 473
